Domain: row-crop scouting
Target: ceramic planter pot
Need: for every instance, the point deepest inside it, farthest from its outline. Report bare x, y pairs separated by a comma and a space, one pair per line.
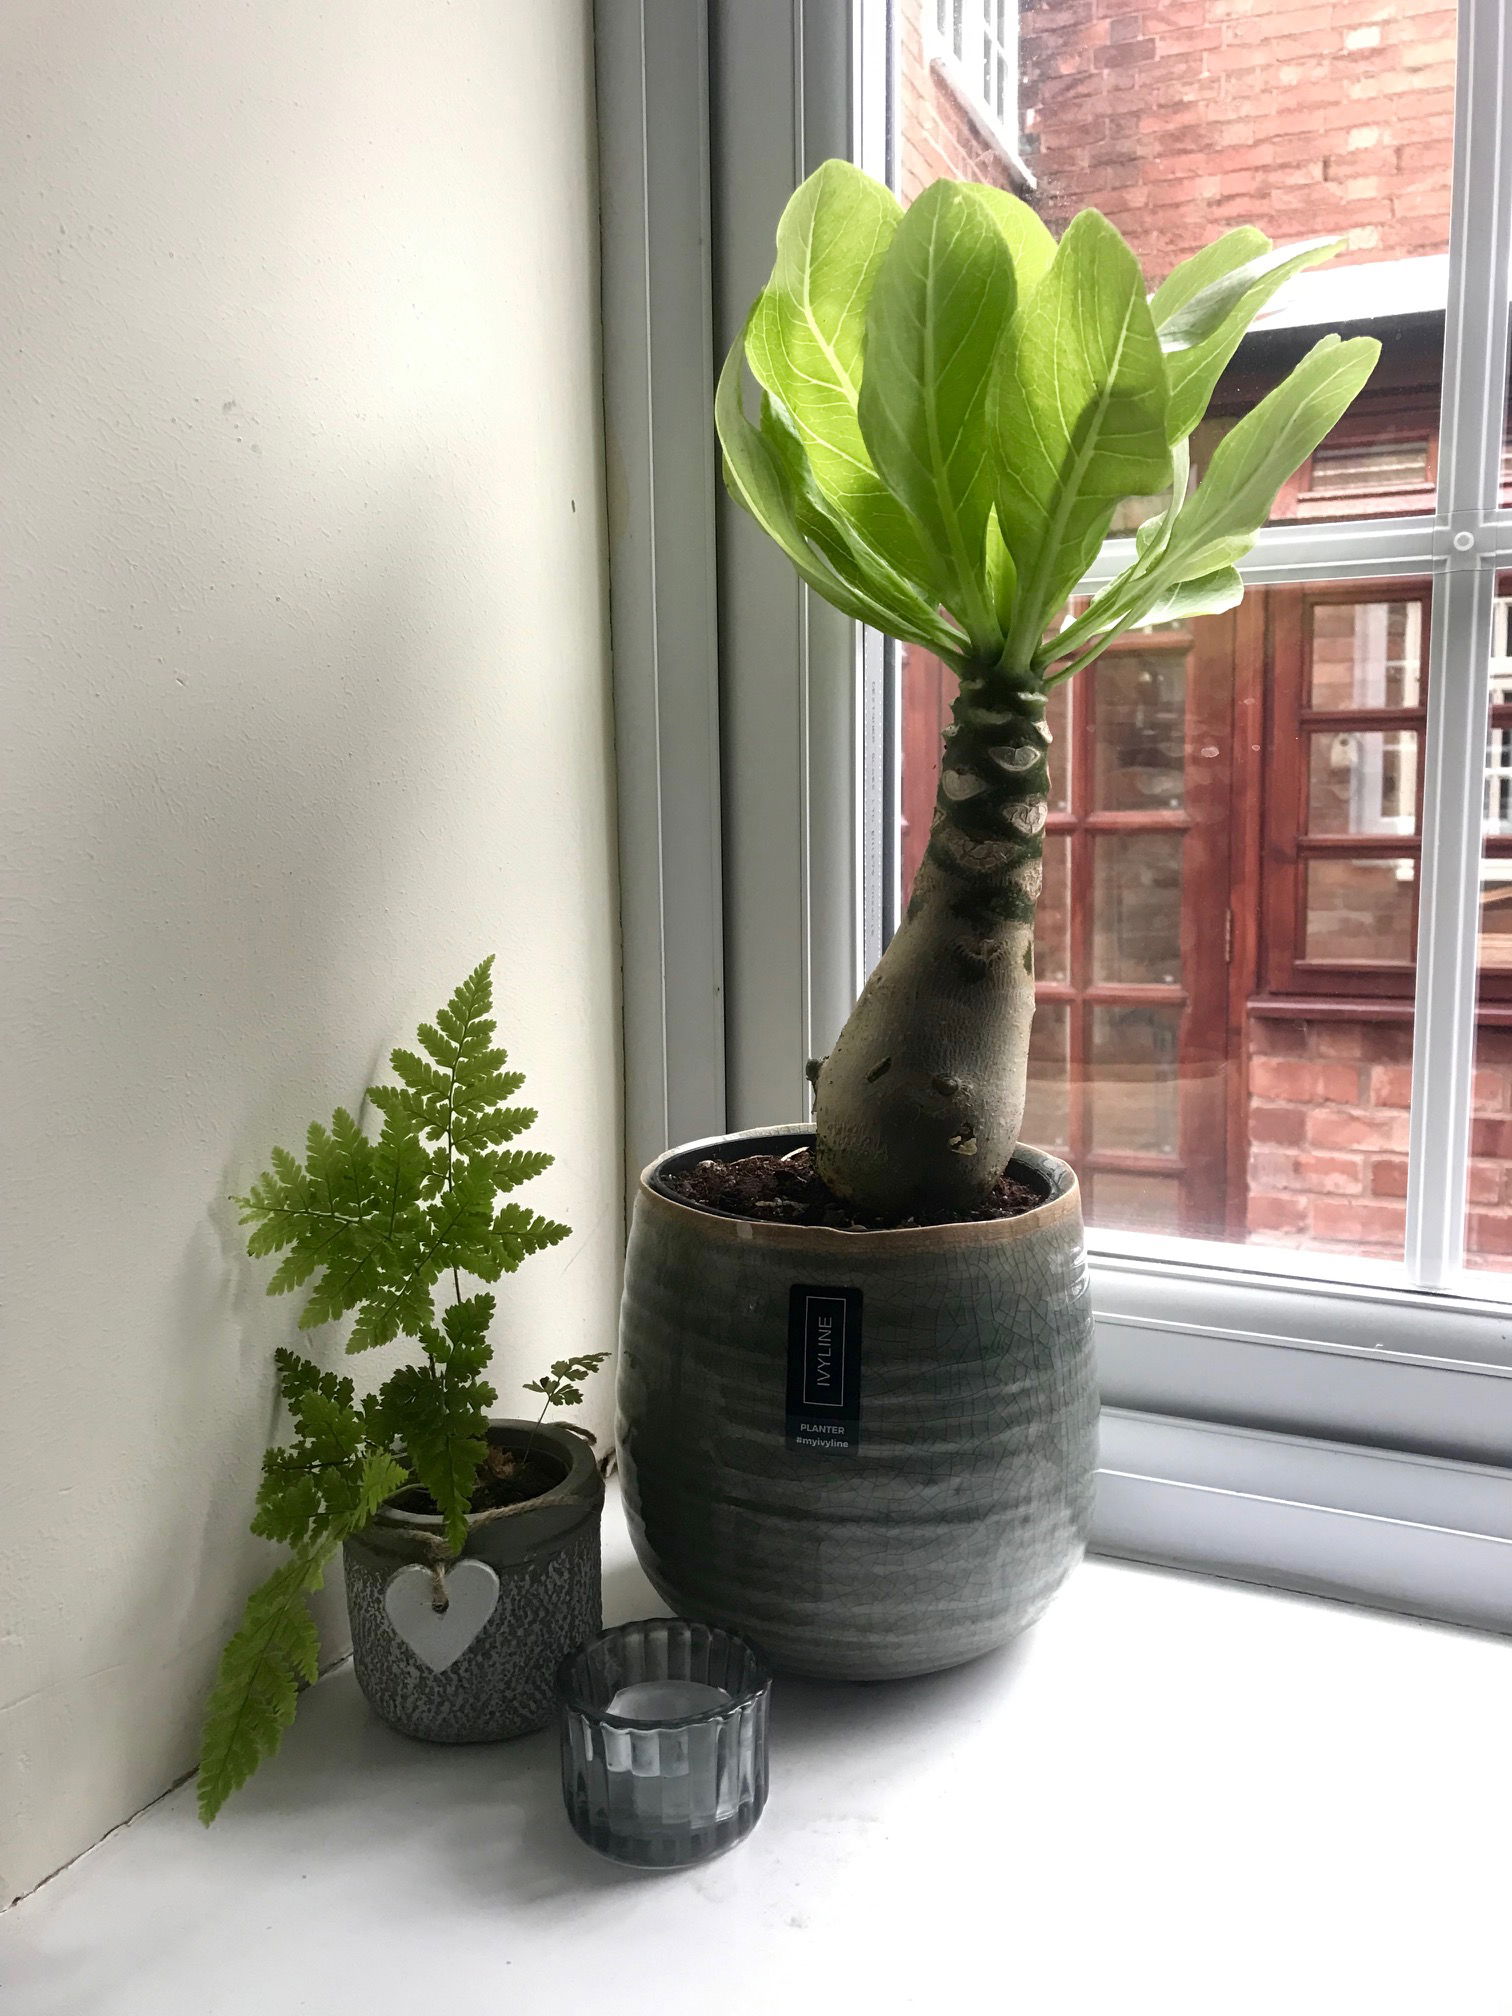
871, 1453
523, 1593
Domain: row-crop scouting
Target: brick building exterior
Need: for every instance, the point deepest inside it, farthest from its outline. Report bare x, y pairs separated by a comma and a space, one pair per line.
1179, 120
1171, 116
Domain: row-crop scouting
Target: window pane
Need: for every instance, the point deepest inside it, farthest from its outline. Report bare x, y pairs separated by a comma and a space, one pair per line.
1136, 907
1355, 468
1237, 112
1365, 654
1212, 834
1134, 1091
1057, 720
1488, 1215
1052, 920
1359, 912
1362, 781
1129, 1203
1295, 1106
1048, 1111
1139, 731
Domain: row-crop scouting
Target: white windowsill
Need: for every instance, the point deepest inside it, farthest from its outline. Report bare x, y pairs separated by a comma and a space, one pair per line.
1174, 1795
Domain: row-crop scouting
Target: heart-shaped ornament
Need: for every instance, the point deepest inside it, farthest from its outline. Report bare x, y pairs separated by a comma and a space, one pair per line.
440, 1637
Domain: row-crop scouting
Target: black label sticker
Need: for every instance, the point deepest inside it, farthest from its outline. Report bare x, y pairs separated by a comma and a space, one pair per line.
824, 1368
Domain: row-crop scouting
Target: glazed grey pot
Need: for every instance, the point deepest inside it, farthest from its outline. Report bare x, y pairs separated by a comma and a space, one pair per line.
545, 1555
870, 1452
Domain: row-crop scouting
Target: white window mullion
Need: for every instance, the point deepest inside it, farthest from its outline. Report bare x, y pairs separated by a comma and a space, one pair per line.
1459, 665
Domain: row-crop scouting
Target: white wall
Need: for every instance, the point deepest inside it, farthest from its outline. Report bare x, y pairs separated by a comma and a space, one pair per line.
304, 711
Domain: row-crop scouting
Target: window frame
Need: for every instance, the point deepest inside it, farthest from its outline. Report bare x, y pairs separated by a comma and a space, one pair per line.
1290, 844
773, 760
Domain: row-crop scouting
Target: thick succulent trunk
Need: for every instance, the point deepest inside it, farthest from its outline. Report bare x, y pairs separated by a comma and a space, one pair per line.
918, 1106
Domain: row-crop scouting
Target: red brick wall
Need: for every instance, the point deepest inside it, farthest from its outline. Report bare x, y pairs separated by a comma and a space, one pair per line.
1180, 118
1328, 1137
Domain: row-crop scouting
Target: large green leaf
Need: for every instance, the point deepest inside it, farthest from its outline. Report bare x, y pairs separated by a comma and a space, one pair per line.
759, 483
806, 334
1202, 334
1210, 595
1078, 418
1030, 243
938, 309
1256, 456
840, 542
1234, 249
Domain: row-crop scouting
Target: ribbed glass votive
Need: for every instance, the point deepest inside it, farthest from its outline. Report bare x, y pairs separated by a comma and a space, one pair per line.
664, 1741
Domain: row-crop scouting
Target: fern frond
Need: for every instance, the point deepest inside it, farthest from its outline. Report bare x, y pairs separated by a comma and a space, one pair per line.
440, 1409
453, 1230
275, 1651
517, 1165
516, 1233
319, 1480
257, 1684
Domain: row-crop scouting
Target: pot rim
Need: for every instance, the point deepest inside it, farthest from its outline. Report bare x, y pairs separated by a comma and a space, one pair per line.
1063, 1202
582, 1464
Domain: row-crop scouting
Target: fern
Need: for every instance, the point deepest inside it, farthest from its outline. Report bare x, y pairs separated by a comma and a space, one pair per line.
379, 1223
440, 1409
373, 1226
559, 1386
275, 1651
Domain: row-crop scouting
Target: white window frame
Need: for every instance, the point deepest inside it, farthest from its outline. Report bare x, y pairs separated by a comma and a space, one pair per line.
753, 778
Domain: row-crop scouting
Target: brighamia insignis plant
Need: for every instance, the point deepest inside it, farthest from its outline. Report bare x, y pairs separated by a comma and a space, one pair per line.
954, 406
382, 1223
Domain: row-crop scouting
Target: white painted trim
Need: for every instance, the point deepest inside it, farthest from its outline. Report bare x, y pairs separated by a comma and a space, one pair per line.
652, 65
1408, 1533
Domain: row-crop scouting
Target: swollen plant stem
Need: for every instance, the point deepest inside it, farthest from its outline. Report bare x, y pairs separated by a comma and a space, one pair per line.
918, 1106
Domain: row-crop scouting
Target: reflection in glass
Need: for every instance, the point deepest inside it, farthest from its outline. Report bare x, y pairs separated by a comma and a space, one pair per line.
1052, 923
1133, 1081
1363, 781
1496, 915
1047, 1115
1136, 1203
1488, 1217
1356, 468
1058, 721
1139, 730
1366, 654
1359, 911
1136, 908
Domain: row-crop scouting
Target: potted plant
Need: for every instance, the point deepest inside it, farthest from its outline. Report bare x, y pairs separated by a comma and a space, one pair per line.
857, 1408
471, 1545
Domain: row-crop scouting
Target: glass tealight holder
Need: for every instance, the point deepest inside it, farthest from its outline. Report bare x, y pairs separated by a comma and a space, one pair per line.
664, 1741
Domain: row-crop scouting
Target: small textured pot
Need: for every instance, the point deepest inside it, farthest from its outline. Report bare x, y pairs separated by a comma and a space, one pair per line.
546, 1558
872, 1453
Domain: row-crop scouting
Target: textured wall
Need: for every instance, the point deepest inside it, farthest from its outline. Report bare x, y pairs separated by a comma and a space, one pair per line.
304, 710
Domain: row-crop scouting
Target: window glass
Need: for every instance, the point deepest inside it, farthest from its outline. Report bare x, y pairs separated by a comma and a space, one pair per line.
1136, 907
1138, 749
1364, 654
1227, 941
1488, 1216
1362, 780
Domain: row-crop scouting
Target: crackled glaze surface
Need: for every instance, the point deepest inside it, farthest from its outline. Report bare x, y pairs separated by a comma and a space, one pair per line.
547, 1562
968, 1499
